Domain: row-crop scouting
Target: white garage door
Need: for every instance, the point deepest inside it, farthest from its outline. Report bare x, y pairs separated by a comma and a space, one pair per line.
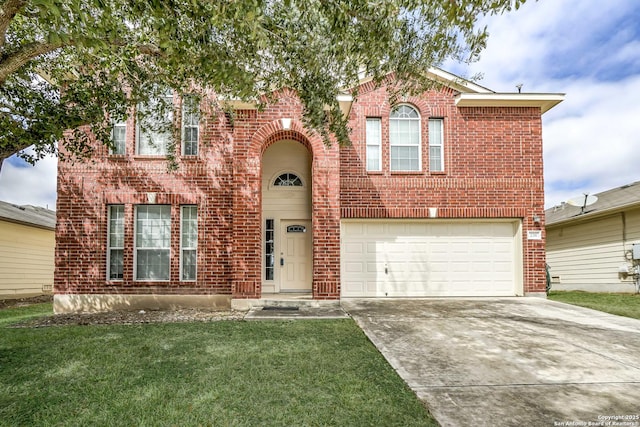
430, 258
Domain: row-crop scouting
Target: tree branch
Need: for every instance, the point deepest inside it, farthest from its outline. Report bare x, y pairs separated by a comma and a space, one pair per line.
26, 53
7, 11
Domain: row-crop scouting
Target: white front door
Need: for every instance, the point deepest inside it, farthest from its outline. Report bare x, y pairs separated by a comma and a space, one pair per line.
295, 260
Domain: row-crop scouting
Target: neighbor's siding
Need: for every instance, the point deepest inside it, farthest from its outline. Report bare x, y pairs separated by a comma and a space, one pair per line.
26, 259
588, 255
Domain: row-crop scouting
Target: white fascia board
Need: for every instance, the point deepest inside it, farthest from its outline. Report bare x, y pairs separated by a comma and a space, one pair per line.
544, 101
456, 82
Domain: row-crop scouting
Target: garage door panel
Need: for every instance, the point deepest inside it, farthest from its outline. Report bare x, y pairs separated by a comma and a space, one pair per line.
431, 258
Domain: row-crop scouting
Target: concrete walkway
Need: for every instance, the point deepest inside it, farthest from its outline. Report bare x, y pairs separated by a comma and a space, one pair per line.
509, 362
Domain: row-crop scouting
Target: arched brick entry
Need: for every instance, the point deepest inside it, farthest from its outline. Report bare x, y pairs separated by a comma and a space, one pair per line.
247, 210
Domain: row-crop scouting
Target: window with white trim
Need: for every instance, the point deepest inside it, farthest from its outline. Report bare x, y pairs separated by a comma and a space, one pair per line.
115, 242
436, 145
153, 242
374, 144
118, 138
269, 249
404, 139
190, 125
288, 180
188, 242
154, 125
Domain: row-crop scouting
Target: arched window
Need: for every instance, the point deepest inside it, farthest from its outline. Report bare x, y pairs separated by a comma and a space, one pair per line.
404, 139
288, 180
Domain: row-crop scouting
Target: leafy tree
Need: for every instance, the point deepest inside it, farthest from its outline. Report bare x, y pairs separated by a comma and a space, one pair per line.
109, 55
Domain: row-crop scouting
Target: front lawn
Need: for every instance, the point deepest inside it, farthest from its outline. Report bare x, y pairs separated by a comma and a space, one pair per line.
627, 305
226, 373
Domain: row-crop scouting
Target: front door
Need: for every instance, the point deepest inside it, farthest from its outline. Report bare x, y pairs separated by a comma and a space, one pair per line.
296, 260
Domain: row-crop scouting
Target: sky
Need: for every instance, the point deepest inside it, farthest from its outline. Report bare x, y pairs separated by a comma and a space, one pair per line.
587, 49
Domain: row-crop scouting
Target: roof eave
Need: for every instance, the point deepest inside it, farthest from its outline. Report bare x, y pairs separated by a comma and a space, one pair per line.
544, 101
594, 214
28, 224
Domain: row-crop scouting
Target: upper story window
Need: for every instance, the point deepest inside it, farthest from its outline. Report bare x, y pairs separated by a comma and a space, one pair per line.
155, 121
288, 180
118, 138
374, 144
436, 145
190, 125
404, 139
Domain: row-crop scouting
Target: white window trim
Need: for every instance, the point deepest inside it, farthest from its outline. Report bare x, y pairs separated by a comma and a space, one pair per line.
419, 119
109, 247
118, 125
441, 144
182, 248
377, 143
170, 118
135, 248
186, 99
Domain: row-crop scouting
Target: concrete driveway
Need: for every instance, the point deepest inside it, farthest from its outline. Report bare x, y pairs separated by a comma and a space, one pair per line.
509, 362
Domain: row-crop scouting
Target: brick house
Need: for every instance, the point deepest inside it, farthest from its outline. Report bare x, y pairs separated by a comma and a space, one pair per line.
438, 195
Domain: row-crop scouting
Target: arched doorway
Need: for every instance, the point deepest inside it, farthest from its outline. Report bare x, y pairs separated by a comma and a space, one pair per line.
287, 241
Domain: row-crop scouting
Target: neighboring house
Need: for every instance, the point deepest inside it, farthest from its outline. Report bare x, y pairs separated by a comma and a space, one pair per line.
27, 246
591, 249
439, 195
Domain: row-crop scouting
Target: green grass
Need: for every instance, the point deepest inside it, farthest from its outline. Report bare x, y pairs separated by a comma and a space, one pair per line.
19, 314
228, 373
627, 305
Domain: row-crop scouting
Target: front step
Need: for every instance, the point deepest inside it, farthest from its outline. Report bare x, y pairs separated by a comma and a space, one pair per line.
292, 313
283, 301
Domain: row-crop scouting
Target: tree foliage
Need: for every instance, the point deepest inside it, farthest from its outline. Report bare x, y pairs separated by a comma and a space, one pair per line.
109, 55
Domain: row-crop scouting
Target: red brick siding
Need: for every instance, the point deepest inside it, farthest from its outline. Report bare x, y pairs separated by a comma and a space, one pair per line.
224, 181
493, 169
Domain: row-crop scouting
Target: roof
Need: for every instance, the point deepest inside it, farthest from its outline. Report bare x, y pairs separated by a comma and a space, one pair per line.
470, 94
34, 216
616, 199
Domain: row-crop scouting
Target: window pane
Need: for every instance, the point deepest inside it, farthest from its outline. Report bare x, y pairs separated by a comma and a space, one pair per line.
118, 137
373, 158
404, 158
288, 180
373, 144
190, 126
116, 226
188, 242
115, 242
404, 139
153, 240
435, 159
189, 258
153, 264
269, 249
155, 125
116, 257
436, 142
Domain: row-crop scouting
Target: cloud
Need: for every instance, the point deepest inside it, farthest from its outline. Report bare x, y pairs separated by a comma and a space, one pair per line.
592, 140
31, 185
591, 53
